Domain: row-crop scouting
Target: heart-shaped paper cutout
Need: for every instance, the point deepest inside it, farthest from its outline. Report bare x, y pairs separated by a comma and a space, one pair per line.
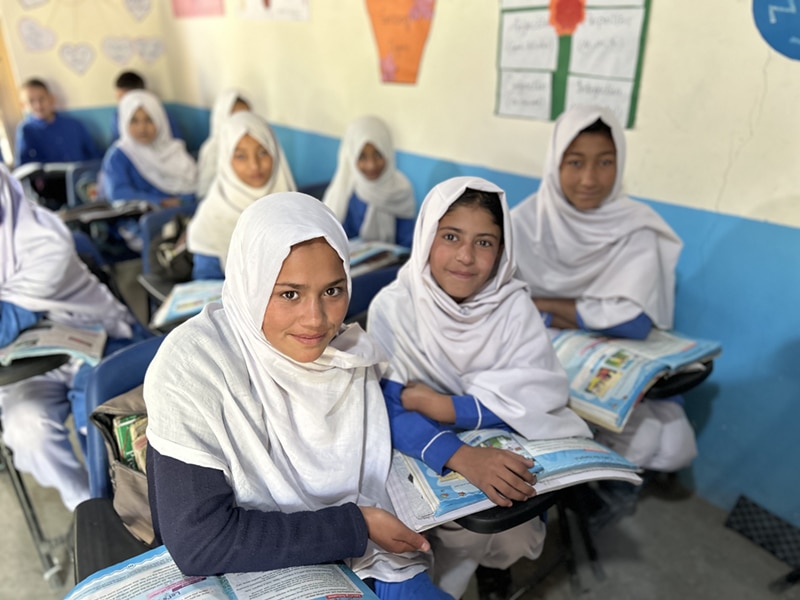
77, 57
118, 49
35, 37
138, 8
32, 3
150, 49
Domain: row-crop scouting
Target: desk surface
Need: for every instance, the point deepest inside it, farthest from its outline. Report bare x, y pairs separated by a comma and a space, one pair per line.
497, 519
28, 367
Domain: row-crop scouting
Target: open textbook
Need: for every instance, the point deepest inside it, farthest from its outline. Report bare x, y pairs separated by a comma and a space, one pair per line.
155, 576
47, 338
186, 300
608, 376
367, 256
423, 499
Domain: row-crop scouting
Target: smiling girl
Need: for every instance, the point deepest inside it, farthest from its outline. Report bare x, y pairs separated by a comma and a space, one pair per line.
468, 350
269, 440
147, 163
370, 197
250, 165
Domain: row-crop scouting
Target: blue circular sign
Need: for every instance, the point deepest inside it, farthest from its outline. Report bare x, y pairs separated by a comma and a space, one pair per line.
778, 22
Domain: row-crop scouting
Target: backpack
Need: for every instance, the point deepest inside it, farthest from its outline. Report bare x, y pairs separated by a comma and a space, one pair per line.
128, 477
169, 256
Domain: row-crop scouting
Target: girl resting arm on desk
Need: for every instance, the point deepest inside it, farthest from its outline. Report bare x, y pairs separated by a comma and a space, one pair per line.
269, 439
468, 350
597, 260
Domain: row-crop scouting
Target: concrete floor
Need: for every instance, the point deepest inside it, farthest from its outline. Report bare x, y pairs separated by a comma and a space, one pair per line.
667, 550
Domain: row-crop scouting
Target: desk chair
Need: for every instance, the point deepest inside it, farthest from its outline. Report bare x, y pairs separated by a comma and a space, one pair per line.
100, 538
45, 547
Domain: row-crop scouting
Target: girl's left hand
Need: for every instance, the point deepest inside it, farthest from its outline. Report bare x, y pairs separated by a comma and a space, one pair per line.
423, 399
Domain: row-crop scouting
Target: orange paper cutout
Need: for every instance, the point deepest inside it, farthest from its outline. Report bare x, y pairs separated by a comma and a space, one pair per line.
401, 30
566, 15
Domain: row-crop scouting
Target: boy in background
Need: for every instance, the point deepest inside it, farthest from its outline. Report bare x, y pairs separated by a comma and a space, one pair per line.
46, 135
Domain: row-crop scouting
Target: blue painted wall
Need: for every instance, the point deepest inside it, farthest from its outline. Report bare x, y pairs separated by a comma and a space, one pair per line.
738, 282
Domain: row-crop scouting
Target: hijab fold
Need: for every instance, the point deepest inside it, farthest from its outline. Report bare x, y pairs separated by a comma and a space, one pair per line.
388, 198
207, 157
164, 162
493, 345
41, 271
622, 249
211, 227
288, 436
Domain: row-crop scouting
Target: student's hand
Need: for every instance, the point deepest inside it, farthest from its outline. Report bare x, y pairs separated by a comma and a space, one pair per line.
390, 533
425, 400
171, 202
500, 474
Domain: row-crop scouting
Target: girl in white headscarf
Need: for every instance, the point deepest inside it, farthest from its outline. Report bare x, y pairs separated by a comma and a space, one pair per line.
595, 259
369, 196
42, 277
147, 163
251, 165
227, 103
269, 440
468, 350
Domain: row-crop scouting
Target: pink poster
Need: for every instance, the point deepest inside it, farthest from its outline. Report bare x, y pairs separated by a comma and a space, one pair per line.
198, 8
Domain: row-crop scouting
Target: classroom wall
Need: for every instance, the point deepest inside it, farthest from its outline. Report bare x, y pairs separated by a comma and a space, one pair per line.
715, 150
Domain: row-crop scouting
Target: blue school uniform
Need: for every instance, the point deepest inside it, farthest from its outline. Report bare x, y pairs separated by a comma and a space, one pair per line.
357, 209
65, 139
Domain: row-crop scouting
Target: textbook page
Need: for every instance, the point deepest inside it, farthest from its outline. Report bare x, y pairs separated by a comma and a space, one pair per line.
367, 256
559, 463
47, 338
155, 576
608, 376
186, 300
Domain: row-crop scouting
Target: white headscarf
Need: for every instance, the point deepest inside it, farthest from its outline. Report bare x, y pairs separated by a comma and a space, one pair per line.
493, 345
41, 271
622, 249
211, 227
163, 162
388, 198
207, 158
288, 436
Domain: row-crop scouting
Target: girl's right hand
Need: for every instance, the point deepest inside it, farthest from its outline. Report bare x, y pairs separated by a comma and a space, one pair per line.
500, 474
390, 533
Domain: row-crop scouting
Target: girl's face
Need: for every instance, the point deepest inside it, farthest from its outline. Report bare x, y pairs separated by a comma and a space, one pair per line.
588, 170
308, 303
371, 162
141, 127
251, 162
465, 251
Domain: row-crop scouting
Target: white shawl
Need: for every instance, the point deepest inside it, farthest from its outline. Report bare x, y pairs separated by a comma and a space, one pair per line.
388, 198
41, 271
622, 249
207, 156
493, 345
164, 162
211, 227
288, 436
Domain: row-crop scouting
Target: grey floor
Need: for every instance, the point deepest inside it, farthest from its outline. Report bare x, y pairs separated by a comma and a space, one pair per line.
668, 549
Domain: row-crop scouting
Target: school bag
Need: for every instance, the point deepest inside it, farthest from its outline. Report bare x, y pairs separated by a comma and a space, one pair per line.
169, 257
120, 421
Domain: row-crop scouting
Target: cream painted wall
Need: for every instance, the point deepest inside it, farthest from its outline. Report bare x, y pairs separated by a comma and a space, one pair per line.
717, 125
72, 22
